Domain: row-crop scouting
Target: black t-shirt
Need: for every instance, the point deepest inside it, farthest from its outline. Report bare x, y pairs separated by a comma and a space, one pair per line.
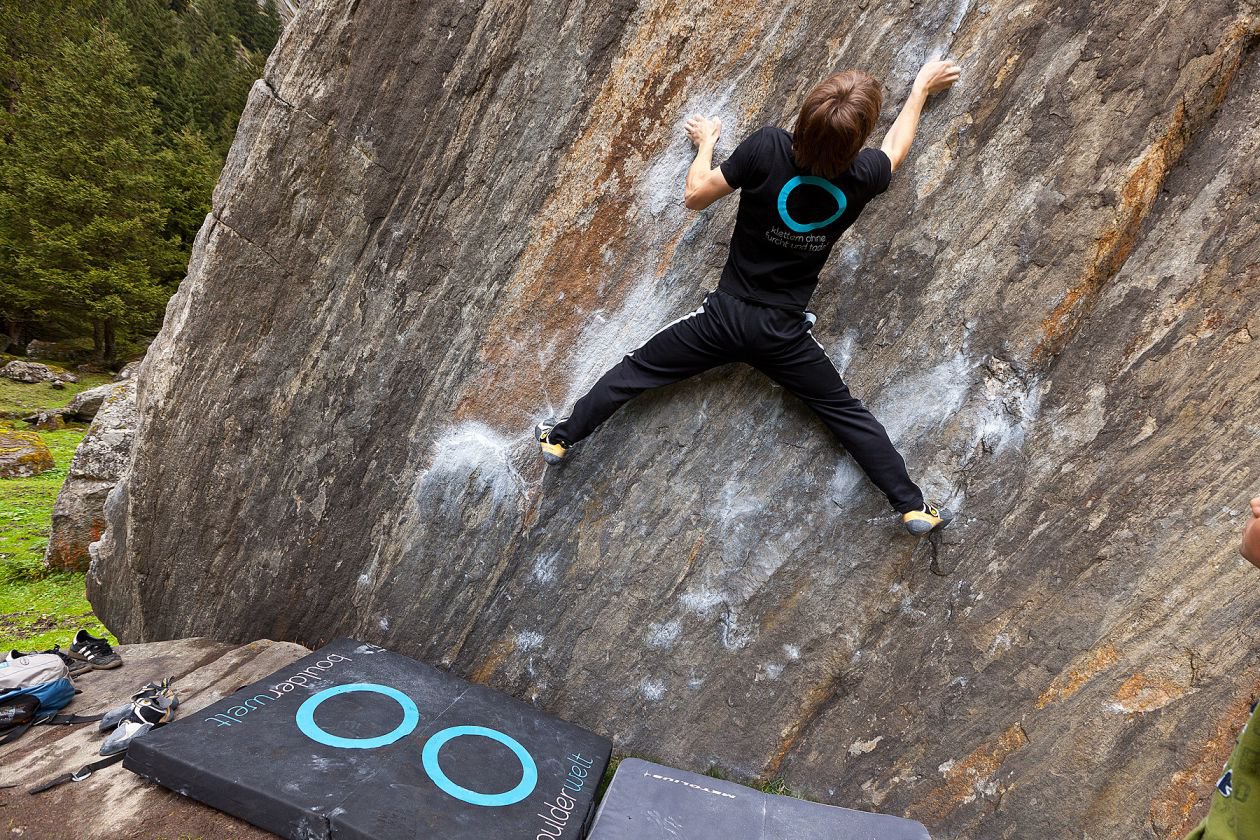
788, 219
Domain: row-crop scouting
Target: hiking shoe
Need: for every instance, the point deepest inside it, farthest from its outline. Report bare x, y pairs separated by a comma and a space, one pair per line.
96, 652
553, 451
145, 714
931, 518
116, 716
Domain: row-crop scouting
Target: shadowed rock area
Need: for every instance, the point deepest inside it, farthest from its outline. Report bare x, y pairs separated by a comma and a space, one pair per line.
440, 222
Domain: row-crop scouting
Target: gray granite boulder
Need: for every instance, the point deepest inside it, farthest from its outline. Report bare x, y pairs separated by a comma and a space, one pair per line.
78, 517
440, 222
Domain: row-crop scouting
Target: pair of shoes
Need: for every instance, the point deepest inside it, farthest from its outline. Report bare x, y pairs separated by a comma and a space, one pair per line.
553, 451
930, 518
150, 707
75, 666
97, 653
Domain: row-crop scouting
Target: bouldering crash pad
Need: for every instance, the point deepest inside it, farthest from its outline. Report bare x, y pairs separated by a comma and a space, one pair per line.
651, 802
354, 741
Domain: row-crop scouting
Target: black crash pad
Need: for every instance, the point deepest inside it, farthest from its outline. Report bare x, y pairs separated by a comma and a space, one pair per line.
649, 802
356, 742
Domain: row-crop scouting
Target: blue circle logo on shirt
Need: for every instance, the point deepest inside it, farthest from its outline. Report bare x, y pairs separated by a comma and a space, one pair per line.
836, 193
529, 770
306, 717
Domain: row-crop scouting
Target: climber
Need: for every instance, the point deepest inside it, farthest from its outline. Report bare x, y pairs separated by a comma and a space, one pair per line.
799, 192
1235, 811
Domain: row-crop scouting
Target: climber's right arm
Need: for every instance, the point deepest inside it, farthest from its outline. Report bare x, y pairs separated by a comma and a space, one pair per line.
935, 76
705, 182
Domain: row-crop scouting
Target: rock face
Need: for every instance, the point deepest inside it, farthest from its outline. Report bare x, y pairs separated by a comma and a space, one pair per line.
78, 517
115, 803
23, 454
440, 222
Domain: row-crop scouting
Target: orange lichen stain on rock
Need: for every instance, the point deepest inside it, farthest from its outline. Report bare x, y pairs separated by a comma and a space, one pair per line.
1081, 671
963, 777
498, 654
1004, 70
787, 605
579, 260
1179, 806
815, 701
1137, 195
1114, 244
1145, 693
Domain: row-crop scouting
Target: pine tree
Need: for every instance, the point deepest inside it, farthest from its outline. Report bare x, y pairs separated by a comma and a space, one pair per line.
82, 220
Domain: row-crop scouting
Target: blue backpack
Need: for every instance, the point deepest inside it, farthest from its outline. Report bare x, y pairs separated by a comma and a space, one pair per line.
22, 708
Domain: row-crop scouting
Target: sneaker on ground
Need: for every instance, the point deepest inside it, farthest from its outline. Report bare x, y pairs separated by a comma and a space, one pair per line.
96, 652
931, 518
553, 451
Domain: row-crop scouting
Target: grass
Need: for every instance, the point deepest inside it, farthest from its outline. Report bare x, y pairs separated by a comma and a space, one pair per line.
37, 607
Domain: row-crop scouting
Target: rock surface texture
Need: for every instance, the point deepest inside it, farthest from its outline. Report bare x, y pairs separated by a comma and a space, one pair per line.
114, 802
78, 517
441, 221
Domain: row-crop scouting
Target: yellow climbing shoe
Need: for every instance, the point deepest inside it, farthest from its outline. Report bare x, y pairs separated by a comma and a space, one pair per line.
931, 518
553, 451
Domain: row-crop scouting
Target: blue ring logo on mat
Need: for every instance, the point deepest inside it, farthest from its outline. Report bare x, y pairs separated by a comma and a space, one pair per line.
529, 776
836, 193
306, 717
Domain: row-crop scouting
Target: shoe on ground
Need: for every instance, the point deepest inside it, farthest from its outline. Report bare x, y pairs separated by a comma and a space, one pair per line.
143, 715
927, 520
96, 652
553, 452
116, 716
121, 738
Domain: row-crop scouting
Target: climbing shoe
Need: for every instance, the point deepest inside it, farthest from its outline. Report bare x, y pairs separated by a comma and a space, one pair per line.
553, 451
156, 689
96, 652
931, 518
144, 714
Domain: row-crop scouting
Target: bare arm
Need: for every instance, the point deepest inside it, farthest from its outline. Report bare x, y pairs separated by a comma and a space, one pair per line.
933, 77
705, 183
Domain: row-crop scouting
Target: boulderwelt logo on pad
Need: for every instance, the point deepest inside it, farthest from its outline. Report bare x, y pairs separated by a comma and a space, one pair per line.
555, 813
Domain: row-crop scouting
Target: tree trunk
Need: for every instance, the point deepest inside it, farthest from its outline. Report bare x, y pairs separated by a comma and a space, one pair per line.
111, 351
98, 341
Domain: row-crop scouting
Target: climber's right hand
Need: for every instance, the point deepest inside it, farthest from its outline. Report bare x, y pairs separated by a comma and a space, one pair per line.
703, 130
936, 76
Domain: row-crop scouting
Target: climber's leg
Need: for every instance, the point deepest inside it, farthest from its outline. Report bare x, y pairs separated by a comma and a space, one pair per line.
802, 367
690, 345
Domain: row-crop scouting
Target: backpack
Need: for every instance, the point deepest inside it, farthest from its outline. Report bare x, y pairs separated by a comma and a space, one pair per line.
22, 708
31, 669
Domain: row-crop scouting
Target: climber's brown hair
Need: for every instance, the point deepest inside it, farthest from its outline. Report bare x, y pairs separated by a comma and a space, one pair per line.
836, 118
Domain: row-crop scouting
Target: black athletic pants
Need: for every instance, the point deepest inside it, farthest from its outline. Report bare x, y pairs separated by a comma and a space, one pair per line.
776, 342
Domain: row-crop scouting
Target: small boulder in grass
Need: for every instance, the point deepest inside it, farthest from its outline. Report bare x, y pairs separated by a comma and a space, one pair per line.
57, 385
23, 454
47, 421
28, 372
33, 372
